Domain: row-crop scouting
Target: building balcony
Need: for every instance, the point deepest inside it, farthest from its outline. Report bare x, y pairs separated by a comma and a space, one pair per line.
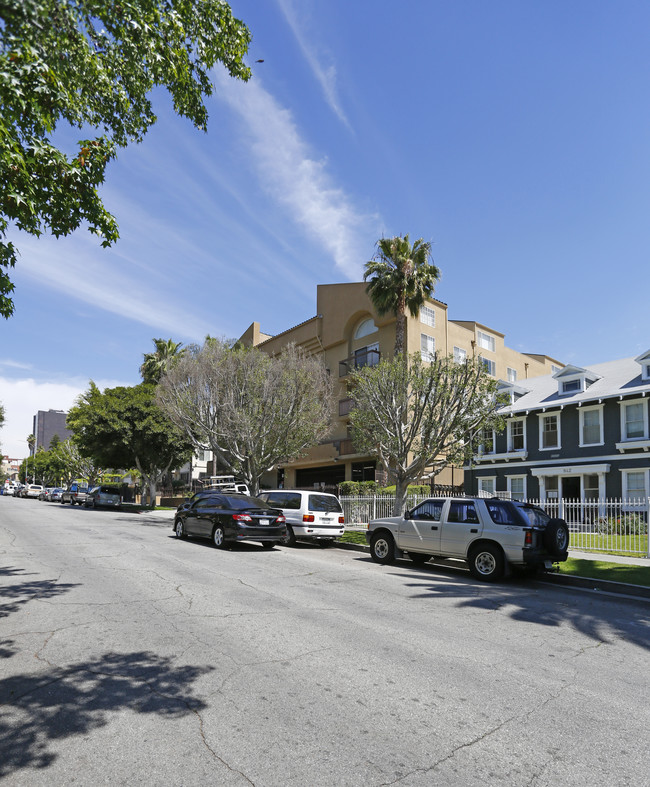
347, 447
357, 361
345, 406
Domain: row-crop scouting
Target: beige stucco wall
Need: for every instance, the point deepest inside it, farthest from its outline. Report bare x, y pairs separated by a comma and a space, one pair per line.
341, 308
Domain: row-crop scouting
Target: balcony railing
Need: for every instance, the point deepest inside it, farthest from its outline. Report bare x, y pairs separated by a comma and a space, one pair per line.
358, 361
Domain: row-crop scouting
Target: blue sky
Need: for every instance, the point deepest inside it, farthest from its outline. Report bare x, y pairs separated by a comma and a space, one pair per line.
515, 136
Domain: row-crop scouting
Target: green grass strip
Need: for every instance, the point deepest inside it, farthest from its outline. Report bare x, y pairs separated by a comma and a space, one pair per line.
601, 569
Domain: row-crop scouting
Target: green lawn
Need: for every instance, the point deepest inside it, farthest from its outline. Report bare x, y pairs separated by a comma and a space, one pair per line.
601, 569
634, 546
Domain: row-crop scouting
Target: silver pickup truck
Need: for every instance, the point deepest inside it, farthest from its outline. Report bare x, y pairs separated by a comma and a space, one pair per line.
490, 534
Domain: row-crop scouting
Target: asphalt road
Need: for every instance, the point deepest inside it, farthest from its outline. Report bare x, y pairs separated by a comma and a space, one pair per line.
129, 657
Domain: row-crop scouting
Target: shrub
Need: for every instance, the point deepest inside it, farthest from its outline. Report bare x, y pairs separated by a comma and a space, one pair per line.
413, 489
627, 524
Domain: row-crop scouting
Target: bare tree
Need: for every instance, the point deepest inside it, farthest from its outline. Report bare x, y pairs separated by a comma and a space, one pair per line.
253, 410
416, 416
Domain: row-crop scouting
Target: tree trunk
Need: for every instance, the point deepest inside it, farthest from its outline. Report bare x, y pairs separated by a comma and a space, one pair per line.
401, 490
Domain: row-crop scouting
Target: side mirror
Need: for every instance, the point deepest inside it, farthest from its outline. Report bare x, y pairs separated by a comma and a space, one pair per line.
408, 514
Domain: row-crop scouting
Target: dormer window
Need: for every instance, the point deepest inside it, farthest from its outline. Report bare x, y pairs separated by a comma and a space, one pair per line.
511, 390
572, 386
574, 380
644, 361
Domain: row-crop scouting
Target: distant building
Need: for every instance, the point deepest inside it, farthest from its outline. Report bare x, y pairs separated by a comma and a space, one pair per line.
11, 467
48, 423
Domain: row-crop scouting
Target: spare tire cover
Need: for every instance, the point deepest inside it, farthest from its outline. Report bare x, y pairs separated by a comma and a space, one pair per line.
556, 537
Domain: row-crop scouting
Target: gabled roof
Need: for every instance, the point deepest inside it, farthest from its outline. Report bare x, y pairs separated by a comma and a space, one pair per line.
576, 371
611, 379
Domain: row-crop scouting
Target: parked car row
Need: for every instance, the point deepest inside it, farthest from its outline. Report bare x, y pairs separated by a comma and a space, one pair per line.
491, 535
77, 493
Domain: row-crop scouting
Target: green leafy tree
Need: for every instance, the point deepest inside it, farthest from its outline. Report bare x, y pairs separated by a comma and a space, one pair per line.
400, 276
92, 64
155, 364
124, 427
45, 467
252, 410
415, 416
74, 465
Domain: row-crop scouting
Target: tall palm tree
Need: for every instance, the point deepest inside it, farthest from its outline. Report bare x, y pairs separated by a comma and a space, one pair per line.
401, 277
155, 364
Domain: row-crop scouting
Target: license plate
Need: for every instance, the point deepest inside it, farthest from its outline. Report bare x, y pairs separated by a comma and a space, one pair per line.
264, 521
325, 519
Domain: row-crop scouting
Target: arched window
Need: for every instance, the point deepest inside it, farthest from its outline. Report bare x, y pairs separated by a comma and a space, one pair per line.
365, 328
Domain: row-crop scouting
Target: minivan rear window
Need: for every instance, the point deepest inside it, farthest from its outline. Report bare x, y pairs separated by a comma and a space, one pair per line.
324, 503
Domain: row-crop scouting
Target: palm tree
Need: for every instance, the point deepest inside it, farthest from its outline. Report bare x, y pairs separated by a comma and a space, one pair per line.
401, 277
155, 364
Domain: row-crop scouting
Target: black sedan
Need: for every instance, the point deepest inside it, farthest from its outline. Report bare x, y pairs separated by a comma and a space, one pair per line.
230, 518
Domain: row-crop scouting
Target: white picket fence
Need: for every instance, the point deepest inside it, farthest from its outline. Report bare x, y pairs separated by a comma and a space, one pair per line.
607, 525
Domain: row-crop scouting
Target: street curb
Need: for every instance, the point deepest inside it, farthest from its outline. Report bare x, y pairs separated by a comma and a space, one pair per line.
568, 580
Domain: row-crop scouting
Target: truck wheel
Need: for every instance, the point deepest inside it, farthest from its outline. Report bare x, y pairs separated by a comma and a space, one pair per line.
382, 548
486, 563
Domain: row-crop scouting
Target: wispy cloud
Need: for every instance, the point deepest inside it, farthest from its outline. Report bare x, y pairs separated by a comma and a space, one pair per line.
291, 174
15, 364
93, 275
326, 75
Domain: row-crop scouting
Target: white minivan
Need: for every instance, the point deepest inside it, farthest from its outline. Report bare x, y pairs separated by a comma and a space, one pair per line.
311, 516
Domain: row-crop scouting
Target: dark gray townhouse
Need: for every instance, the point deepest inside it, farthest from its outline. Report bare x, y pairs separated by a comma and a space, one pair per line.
579, 434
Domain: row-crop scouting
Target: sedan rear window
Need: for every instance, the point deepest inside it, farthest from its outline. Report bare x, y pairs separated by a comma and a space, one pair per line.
243, 502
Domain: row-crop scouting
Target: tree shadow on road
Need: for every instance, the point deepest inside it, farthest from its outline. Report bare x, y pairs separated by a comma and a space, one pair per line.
37, 710
14, 596
600, 617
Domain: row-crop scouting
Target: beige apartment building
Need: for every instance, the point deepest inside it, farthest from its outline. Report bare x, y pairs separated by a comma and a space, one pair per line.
347, 333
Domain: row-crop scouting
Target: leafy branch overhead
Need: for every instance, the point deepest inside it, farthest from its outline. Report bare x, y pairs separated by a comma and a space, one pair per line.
92, 64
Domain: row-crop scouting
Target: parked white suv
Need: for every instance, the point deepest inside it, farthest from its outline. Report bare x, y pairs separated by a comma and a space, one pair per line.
489, 533
311, 516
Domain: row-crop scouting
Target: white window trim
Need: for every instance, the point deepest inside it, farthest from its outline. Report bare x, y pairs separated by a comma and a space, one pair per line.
358, 334
491, 478
541, 417
512, 378
489, 339
524, 478
623, 405
428, 354
582, 410
489, 365
459, 359
430, 313
481, 446
510, 423
625, 473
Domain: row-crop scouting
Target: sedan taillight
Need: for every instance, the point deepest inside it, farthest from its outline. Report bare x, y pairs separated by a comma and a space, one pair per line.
281, 520
241, 518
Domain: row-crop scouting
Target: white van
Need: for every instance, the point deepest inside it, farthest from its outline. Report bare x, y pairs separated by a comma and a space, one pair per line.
311, 516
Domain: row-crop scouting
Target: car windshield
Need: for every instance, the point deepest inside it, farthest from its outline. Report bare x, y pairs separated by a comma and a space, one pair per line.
324, 503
